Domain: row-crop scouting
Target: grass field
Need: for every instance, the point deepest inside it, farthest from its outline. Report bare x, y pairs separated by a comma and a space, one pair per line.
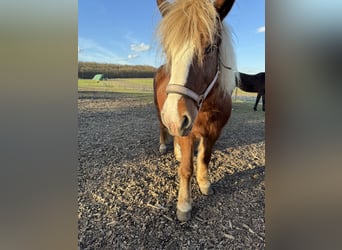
131, 85
122, 85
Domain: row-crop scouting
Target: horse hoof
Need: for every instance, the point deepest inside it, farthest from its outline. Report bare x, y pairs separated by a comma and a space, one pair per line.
178, 157
183, 216
162, 149
207, 190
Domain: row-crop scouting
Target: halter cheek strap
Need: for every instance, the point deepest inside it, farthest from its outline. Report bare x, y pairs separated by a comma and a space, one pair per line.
182, 90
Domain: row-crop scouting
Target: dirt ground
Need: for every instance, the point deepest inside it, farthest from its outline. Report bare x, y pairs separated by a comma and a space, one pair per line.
128, 191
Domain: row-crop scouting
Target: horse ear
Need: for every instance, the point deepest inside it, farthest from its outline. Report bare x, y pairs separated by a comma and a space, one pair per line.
163, 6
223, 7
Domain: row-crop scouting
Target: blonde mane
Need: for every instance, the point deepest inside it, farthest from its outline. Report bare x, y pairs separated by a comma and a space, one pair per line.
191, 22
192, 25
227, 58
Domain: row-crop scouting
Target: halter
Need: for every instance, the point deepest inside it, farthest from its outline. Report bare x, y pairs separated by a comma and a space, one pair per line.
182, 90
198, 99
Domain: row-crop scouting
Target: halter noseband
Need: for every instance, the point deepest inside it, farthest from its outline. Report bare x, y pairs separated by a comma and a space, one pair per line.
182, 90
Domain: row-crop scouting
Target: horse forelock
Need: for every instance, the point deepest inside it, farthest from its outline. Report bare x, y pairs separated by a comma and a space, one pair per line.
192, 23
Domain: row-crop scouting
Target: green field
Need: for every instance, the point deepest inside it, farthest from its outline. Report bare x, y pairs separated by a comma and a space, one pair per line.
142, 88
129, 85
124, 85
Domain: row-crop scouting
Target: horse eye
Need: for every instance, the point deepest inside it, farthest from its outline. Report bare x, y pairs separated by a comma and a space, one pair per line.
208, 49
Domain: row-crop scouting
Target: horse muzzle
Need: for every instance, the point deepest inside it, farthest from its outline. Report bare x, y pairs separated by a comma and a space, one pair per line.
178, 115
181, 127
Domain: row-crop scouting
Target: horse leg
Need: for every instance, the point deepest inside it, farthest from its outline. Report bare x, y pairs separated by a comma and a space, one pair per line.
162, 139
176, 149
203, 159
185, 171
256, 102
263, 102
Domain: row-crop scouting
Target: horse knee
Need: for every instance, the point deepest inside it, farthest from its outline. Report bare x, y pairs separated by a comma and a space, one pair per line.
185, 172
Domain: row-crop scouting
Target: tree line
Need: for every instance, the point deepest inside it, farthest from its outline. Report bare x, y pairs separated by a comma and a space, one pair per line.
87, 70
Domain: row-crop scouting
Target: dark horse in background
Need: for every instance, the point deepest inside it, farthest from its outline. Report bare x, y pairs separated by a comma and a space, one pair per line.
255, 84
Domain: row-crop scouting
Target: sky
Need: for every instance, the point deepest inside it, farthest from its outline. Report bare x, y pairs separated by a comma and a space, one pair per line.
123, 32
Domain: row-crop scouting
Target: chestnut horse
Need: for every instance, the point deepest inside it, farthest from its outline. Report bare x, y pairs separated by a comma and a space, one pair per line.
192, 91
255, 84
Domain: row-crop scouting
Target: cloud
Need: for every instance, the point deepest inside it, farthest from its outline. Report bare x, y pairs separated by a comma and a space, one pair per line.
133, 52
132, 56
94, 52
261, 29
140, 47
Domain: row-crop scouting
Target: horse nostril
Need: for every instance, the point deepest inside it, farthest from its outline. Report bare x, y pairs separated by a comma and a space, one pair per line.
186, 122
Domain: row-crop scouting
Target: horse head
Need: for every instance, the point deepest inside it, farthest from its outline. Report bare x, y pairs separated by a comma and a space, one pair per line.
190, 35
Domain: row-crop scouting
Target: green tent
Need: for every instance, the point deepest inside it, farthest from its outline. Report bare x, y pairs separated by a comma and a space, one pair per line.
98, 77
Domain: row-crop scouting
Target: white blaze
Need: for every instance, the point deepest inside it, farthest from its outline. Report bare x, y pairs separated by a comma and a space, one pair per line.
181, 62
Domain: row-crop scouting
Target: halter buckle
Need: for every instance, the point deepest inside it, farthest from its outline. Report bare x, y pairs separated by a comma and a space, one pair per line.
200, 100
